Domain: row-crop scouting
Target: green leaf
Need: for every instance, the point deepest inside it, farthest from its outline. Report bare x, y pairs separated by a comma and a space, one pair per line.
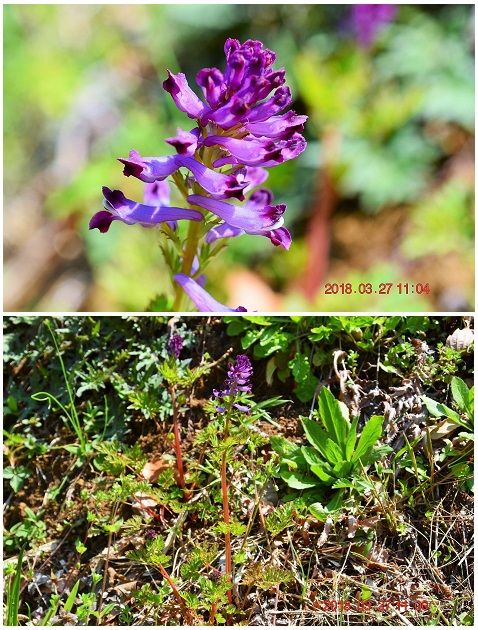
72, 596
311, 456
370, 434
438, 409
297, 480
331, 413
284, 447
321, 471
17, 475
316, 435
300, 367
351, 439
305, 391
461, 393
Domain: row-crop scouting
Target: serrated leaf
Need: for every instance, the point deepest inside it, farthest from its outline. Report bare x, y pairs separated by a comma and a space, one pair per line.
370, 434
300, 367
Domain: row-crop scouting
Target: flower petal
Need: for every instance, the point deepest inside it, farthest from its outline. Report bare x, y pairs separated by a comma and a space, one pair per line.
185, 142
250, 151
149, 169
223, 230
130, 212
253, 151
267, 218
156, 193
280, 127
186, 100
278, 101
280, 237
212, 82
256, 176
217, 184
201, 298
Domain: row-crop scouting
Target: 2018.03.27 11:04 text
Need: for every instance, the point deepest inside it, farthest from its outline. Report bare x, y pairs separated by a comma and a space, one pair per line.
382, 288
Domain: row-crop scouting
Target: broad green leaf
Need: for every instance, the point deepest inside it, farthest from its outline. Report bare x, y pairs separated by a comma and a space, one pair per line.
306, 389
297, 480
460, 392
370, 434
321, 512
334, 453
311, 455
342, 469
336, 425
351, 439
321, 471
438, 409
316, 435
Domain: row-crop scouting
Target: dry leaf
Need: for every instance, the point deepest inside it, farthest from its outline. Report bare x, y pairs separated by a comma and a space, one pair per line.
152, 470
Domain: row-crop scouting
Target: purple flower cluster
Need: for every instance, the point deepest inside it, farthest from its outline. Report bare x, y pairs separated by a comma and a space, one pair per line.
368, 19
175, 345
238, 380
240, 131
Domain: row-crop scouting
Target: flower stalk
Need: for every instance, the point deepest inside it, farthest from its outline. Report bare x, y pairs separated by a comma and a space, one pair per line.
225, 506
177, 438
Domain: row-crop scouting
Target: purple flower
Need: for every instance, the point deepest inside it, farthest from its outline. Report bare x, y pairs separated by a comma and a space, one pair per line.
185, 142
241, 129
258, 201
369, 19
175, 345
119, 208
238, 380
264, 218
183, 96
204, 302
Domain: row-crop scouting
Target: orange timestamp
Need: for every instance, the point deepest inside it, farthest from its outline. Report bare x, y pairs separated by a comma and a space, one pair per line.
382, 288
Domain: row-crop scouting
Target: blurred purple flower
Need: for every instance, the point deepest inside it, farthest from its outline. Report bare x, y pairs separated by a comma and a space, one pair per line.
368, 20
175, 345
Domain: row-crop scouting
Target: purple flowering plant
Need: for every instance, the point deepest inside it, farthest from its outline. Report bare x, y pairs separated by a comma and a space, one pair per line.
241, 130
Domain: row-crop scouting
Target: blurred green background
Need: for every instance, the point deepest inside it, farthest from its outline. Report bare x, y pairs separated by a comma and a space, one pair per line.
383, 193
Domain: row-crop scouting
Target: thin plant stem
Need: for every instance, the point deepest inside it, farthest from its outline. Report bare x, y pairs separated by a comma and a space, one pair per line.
177, 439
177, 594
225, 504
212, 613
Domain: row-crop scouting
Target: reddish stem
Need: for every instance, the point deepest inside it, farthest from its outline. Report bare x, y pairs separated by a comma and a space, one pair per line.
177, 594
212, 614
177, 440
227, 521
